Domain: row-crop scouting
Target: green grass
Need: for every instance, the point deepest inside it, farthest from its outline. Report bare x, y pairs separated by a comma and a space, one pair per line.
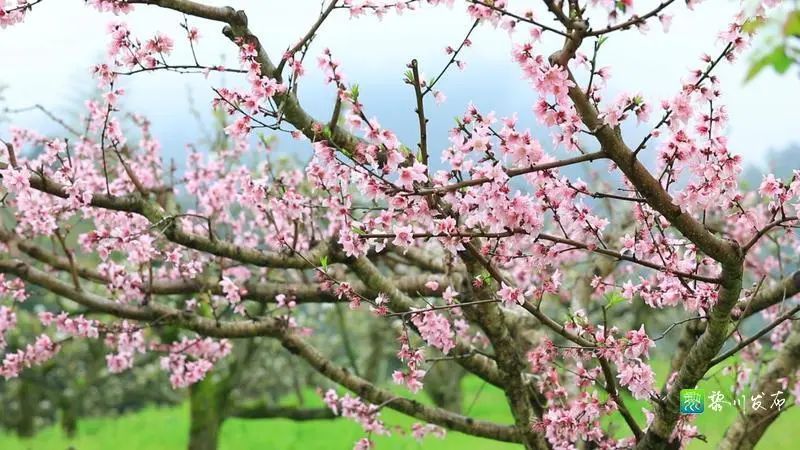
166, 429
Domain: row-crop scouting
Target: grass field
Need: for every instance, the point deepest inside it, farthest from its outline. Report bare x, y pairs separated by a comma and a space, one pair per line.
166, 429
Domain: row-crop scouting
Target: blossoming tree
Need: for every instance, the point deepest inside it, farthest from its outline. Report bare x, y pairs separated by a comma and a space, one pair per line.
467, 257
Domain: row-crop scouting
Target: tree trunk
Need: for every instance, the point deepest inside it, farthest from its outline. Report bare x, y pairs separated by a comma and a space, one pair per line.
443, 385
206, 417
747, 430
69, 417
375, 364
26, 396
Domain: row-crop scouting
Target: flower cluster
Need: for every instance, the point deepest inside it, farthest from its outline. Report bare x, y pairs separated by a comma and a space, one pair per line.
127, 51
127, 342
190, 359
434, 328
365, 414
8, 320
413, 357
42, 349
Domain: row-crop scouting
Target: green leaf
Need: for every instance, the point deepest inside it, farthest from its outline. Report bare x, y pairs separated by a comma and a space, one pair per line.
752, 25
267, 141
358, 231
614, 298
792, 25
324, 262
486, 276
777, 59
354, 91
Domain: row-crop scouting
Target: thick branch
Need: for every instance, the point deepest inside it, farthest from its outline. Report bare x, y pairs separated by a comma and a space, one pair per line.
160, 220
376, 395
787, 288
512, 173
491, 320
649, 187
153, 312
224, 14
749, 427
261, 410
476, 363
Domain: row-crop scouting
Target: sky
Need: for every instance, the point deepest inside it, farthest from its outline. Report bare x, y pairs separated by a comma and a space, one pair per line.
46, 60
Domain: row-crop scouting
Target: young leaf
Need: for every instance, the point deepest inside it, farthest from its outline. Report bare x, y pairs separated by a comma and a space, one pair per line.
792, 25
614, 298
777, 59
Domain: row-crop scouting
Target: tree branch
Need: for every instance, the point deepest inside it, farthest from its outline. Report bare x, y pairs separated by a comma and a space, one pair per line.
376, 395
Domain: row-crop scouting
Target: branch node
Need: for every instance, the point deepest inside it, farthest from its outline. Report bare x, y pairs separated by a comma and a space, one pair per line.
241, 17
227, 30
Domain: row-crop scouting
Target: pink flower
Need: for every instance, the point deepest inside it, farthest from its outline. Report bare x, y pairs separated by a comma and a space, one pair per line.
351, 243
415, 173
119, 362
189, 360
193, 34
411, 379
160, 44
16, 180
449, 295
363, 413
771, 187
666, 21
554, 80
233, 293
638, 377
403, 236
638, 343
511, 296
42, 349
239, 128
8, 320
364, 444
435, 329
282, 301
419, 431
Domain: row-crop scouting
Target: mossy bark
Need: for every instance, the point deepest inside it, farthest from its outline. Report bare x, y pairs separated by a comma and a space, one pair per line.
69, 417
443, 385
205, 414
26, 396
749, 427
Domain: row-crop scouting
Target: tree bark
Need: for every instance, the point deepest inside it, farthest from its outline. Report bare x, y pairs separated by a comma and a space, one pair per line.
380, 339
491, 320
748, 428
443, 385
26, 396
205, 414
69, 417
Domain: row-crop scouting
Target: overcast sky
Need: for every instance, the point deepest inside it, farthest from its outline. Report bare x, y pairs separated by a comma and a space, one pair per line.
46, 60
